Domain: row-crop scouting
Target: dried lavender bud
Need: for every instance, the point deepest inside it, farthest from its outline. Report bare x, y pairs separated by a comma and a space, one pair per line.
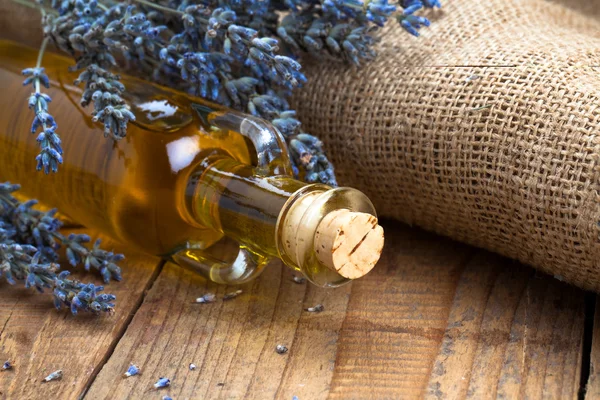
132, 370
6, 366
29, 243
162, 383
167, 398
299, 279
51, 151
192, 367
281, 349
207, 298
104, 90
316, 309
53, 376
232, 295
241, 54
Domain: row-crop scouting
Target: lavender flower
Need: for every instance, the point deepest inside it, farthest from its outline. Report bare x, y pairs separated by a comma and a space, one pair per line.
81, 297
6, 366
281, 349
102, 260
240, 53
29, 240
132, 370
104, 90
207, 298
162, 383
410, 22
56, 375
51, 151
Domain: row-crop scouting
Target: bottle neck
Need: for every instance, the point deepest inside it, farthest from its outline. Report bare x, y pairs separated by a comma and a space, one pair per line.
231, 198
330, 235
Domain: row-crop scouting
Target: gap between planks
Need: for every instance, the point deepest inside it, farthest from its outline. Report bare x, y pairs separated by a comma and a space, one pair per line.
233, 343
39, 339
117, 338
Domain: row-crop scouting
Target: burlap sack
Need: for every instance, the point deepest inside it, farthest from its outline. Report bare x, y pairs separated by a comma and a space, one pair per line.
485, 129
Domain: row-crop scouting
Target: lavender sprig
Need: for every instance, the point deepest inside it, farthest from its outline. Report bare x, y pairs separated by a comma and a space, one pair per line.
411, 22
80, 296
104, 90
29, 240
41, 230
18, 263
51, 151
240, 53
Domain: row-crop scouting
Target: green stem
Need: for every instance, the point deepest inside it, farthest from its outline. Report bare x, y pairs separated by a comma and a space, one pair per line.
166, 9
38, 64
159, 7
35, 6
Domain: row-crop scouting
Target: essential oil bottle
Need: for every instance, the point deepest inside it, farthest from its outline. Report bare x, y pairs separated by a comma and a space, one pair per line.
188, 174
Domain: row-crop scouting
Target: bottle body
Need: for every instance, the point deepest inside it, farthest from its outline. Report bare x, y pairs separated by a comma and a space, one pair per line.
187, 174
132, 189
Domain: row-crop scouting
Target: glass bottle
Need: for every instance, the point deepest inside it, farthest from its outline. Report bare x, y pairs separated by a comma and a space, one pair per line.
188, 174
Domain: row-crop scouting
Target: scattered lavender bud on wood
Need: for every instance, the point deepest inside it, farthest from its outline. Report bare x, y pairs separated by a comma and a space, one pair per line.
281, 349
299, 279
232, 295
295, 398
132, 370
207, 298
316, 309
167, 398
192, 367
7, 365
162, 383
53, 376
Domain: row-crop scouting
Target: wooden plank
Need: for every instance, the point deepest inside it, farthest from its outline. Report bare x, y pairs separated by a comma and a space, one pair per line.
512, 333
396, 318
434, 318
592, 390
40, 339
233, 343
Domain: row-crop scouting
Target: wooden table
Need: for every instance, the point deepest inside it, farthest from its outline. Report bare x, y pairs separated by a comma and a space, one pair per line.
435, 318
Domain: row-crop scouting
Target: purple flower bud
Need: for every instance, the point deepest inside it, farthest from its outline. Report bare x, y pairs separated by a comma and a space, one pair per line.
132, 370
56, 375
162, 383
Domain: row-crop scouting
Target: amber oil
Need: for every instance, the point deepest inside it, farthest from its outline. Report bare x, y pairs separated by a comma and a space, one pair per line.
176, 184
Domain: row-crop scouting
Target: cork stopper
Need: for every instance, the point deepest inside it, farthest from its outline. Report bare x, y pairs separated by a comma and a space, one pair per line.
348, 242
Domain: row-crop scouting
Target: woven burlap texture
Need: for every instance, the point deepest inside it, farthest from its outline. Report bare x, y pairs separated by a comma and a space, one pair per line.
485, 129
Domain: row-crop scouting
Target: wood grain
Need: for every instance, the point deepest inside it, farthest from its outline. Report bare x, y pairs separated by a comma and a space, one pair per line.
39, 339
396, 317
390, 338
434, 318
511, 334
